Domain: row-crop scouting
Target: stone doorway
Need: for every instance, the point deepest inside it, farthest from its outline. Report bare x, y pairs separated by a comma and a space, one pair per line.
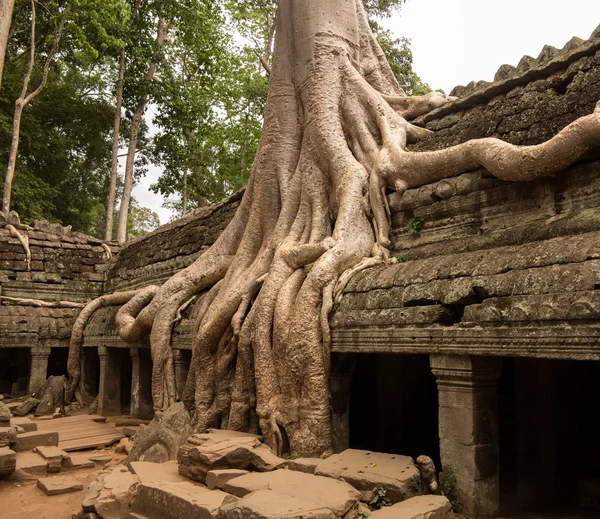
57, 362
15, 364
90, 380
548, 426
394, 405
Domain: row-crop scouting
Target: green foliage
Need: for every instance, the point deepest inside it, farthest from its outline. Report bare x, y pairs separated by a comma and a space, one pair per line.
361, 514
379, 499
415, 226
402, 259
448, 484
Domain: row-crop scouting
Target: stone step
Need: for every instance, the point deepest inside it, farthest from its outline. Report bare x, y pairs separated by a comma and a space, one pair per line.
29, 440
25, 423
183, 500
8, 461
31, 463
53, 486
55, 457
420, 507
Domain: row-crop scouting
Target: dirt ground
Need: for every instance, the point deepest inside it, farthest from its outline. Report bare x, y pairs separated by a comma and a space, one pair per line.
23, 500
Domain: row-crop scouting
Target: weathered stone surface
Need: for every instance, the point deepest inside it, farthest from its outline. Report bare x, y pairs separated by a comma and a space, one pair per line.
160, 440
55, 457
267, 504
8, 436
318, 491
364, 470
5, 415
31, 463
185, 500
78, 461
224, 450
307, 465
155, 472
111, 493
8, 461
30, 440
53, 486
51, 396
420, 507
219, 478
25, 423
26, 407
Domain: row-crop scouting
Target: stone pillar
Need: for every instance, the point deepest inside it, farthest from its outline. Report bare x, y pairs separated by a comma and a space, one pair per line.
340, 380
109, 395
468, 429
141, 381
181, 366
39, 368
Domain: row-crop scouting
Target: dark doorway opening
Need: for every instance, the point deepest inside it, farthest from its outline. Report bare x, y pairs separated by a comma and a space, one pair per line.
91, 372
394, 405
15, 365
57, 362
548, 426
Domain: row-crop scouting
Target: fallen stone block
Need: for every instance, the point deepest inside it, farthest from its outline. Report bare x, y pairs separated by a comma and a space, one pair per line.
55, 457
31, 463
8, 436
26, 407
5, 415
28, 441
218, 450
110, 494
307, 465
365, 470
102, 458
53, 486
25, 423
420, 507
267, 504
152, 472
184, 500
219, 478
160, 440
316, 491
8, 461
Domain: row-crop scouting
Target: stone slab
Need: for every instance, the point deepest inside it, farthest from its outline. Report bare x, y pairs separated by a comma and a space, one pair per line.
78, 461
313, 491
307, 465
420, 507
155, 472
184, 500
8, 461
25, 423
219, 478
31, 463
53, 486
30, 440
365, 470
267, 504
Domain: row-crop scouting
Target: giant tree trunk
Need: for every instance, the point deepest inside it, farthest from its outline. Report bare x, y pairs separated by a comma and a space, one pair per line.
6, 11
136, 123
314, 213
112, 193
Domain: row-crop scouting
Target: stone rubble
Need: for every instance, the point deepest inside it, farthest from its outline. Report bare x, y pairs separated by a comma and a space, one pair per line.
231, 475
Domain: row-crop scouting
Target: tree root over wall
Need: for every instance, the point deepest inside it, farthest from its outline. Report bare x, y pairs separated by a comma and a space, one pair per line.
314, 213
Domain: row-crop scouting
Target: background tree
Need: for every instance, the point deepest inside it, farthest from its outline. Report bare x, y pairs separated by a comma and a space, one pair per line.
6, 11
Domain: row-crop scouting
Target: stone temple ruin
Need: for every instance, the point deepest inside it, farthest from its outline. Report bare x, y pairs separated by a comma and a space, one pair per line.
480, 348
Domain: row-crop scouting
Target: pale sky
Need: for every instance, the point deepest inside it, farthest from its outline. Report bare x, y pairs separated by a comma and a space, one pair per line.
455, 42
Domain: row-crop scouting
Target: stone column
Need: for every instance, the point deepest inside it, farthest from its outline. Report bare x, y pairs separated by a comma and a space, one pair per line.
468, 429
39, 368
109, 395
340, 380
141, 380
181, 367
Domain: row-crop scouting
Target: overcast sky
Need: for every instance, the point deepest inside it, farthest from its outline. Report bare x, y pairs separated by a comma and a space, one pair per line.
455, 42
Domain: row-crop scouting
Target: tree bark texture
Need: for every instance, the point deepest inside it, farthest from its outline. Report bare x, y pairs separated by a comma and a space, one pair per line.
314, 213
112, 193
6, 11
